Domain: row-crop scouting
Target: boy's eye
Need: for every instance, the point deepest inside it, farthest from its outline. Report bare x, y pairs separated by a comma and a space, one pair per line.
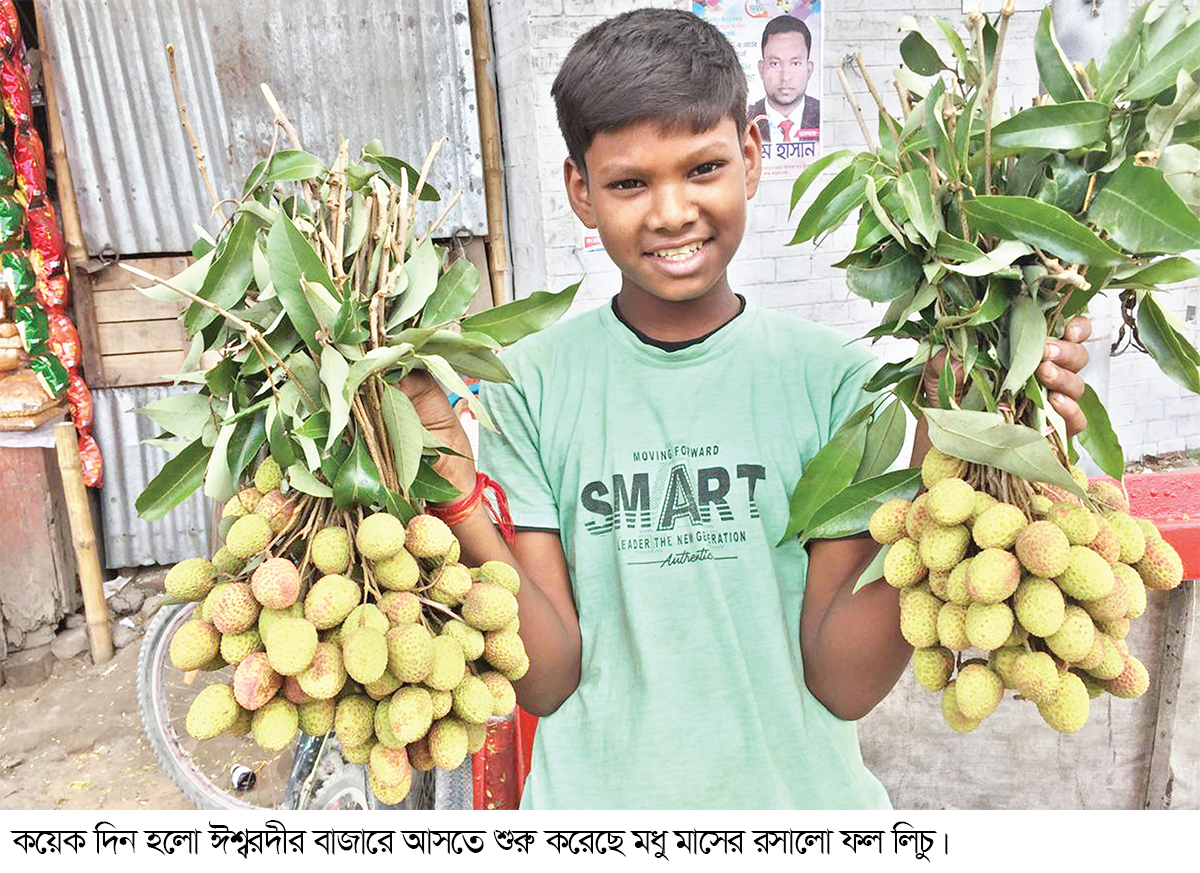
707, 167
624, 184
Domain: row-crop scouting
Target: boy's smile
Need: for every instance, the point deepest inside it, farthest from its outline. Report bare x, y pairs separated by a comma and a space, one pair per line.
670, 209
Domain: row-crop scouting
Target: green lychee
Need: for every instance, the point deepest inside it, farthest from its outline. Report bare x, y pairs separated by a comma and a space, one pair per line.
330, 600
249, 536
449, 663
291, 646
931, 666
1160, 567
937, 465
193, 645
1133, 681
952, 627
330, 550
1075, 521
255, 681
399, 572
275, 725
226, 563
978, 690
268, 476
1043, 549
365, 654
506, 576
942, 547
1087, 577
428, 537
1036, 677
354, 719
235, 647
999, 526
488, 606
468, 637
1108, 494
473, 701
1068, 711
316, 717
504, 696
1039, 606
902, 565
505, 651
951, 501
1074, 639
988, 625
887, 521
379, 536
400, 607
410, 652
235, 609
213, 711
276, 583
993, 576
918, 517
190, 579
410, 713
448, 743
918, 620
326, 675
950, 712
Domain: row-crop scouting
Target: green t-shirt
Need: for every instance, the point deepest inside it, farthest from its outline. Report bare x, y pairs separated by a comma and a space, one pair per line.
667, 475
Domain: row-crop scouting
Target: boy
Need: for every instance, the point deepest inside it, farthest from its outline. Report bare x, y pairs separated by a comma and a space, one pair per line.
648, 448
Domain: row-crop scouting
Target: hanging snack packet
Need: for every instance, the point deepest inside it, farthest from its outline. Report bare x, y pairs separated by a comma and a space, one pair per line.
53, 292
79, 397
6, 171
12, 217
45, 238
91, 459
10, 30
29, 157
14, 86
34, 328
64, 340
18, 275
51, 374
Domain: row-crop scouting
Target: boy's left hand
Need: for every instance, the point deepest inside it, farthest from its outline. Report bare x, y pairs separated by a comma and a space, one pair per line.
1059, 373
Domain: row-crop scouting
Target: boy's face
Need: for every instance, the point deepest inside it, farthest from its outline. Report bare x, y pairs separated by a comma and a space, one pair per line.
785, 69
670, 207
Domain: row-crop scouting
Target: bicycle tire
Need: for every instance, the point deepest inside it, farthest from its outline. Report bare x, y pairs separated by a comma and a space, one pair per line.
168, 745
339, 785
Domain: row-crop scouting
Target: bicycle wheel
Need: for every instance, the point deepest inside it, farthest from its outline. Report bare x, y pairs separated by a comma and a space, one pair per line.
226, 772
310, 773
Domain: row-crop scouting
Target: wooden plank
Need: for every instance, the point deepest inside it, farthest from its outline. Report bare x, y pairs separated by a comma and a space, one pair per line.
113, 278
130, 337
126, 304
142, 369
85, 325
1176, 629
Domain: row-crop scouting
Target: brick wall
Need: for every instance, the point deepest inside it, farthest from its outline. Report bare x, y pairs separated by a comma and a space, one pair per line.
1150, 413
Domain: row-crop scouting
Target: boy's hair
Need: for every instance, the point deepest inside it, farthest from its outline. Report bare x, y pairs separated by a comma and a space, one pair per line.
649, 64
787, 24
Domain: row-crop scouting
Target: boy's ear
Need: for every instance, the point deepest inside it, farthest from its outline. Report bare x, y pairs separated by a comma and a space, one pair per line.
752, 157
577, 193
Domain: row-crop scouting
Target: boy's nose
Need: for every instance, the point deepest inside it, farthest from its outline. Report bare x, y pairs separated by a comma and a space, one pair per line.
672, 210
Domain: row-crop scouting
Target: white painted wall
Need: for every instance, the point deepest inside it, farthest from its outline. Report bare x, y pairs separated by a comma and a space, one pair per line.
1150, 412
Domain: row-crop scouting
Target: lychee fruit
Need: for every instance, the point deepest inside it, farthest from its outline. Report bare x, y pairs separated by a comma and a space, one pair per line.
1160, 567
937, 465
399, 572
330, 550
488, 606
887, 522
249, 536
291, 645
235, 609
918, 620
428, 537
1074, 639
275, 724
902, 565
1043, 549
255, 681
379, 536
193, 645
932, 667
1087, 577
325, 676
268, 476
978, 690
276, 583
989, 625
354, 719
951, 501
212, 712
942, 548
330, 600
993, 576
1068, 711
1133, 681
190, 579
410, 652
1039, 606
365, 654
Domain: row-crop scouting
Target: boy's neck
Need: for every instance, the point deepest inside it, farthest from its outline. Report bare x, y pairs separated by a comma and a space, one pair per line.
677, 322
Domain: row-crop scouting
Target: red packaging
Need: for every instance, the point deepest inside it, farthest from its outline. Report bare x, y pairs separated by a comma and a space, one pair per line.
79, 397
64, 340
10, 30
14, 85
52, 292
45, 238
93, 463
29, 161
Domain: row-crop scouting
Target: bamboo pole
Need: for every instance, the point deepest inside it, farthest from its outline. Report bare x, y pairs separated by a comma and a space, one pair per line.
83, 536
489, 136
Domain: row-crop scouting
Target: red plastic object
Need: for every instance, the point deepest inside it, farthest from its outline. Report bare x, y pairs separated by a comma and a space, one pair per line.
498, 769
1172, 502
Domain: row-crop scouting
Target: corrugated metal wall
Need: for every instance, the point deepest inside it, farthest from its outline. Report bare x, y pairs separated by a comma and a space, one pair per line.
398, 70
131, 541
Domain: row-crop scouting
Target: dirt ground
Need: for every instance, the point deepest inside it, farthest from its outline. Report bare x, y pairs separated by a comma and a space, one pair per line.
76, 741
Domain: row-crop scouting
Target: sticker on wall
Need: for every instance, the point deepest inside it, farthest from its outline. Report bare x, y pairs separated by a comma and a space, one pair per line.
779, 44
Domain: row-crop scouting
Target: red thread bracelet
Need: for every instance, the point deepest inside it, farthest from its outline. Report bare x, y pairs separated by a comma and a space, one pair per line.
459, 510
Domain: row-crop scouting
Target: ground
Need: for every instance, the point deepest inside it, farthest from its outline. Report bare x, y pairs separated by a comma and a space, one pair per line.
1163, 463
76, 742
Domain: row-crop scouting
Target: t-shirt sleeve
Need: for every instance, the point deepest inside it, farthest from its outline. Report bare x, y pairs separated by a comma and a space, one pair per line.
848, 394
513, 457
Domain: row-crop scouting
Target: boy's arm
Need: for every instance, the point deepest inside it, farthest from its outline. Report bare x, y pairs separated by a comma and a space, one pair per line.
549, 624
851, 643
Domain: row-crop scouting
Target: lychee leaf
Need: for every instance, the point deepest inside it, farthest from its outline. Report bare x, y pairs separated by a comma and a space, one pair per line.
885, 439
357, 482
429, 485
986, 438
302, 479
829, 472
175, 482
849, 512
404, 434
1026, 342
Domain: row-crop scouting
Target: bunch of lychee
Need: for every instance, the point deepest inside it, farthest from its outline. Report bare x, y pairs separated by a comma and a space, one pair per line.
1046, 599
376, 632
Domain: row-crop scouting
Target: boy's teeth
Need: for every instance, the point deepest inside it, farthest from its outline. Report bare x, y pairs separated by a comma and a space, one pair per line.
681, 252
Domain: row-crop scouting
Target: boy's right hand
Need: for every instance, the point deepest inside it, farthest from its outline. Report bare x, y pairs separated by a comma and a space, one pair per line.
440, 420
